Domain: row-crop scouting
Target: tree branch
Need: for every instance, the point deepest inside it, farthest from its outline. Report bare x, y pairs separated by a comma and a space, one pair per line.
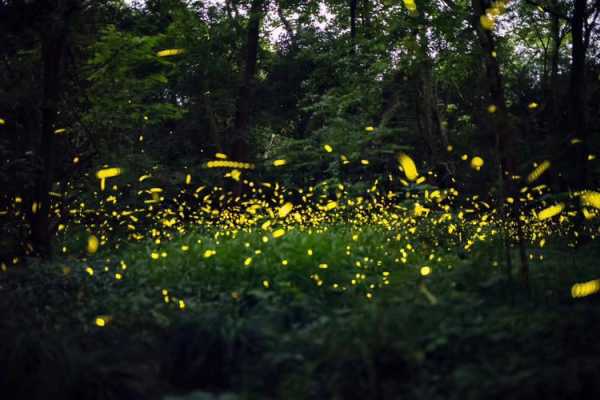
549, 10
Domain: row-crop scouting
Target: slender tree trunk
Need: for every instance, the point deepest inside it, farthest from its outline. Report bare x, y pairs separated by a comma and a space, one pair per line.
246, 91
554, 58
353, 6
53, 48
577, 101
503, 134
287, 26
366, 18
428, 117
240, 146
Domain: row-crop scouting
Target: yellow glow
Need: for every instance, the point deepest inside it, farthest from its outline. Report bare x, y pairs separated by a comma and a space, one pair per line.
486, 22
229, 164
170, 52
92, 244
408, 165
278, 233
285, 209
209, 253
425, 270
234, 174
591, 199
476, 163
410, 5
585, 289
279, 163
331, 205
551, 211
328, 148
537, 172
108, 173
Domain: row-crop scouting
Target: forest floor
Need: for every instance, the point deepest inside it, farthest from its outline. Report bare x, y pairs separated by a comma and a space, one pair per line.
324, 313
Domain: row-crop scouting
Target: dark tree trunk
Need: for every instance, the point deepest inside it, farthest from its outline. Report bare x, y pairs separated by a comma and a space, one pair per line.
503, 132
53, 48
353, 6
287, 26
552, 91
577, 103
246, 91
428, 117
240, 144
366, 18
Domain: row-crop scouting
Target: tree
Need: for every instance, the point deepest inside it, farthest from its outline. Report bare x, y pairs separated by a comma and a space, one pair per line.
240, 149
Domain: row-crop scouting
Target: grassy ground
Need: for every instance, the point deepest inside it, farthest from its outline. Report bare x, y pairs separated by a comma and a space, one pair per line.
336, 312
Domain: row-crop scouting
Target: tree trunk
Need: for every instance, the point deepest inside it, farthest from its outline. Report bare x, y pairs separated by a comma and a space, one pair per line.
353, 6
552, 91
246, 91
53, 46
503, 133
428, 117
577, 102
366, 18
240, 145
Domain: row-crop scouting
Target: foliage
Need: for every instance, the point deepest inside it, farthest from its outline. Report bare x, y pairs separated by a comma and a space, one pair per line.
308, 338
329, 207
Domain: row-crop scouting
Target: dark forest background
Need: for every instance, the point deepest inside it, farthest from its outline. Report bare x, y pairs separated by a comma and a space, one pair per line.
82, 87
299, 199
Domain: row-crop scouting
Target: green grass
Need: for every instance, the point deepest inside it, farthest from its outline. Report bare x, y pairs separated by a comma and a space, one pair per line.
355, 331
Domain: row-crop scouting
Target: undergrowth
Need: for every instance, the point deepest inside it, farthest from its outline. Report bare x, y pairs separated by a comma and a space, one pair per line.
350, 320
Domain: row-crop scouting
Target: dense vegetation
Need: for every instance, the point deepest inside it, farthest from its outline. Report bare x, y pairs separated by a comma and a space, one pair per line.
299, 199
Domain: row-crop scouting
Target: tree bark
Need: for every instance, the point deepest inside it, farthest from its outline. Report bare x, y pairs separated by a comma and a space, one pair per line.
577, 101
366, 18
428, 117
353, 6
503, 132
54, 41
240, 144
552, 91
